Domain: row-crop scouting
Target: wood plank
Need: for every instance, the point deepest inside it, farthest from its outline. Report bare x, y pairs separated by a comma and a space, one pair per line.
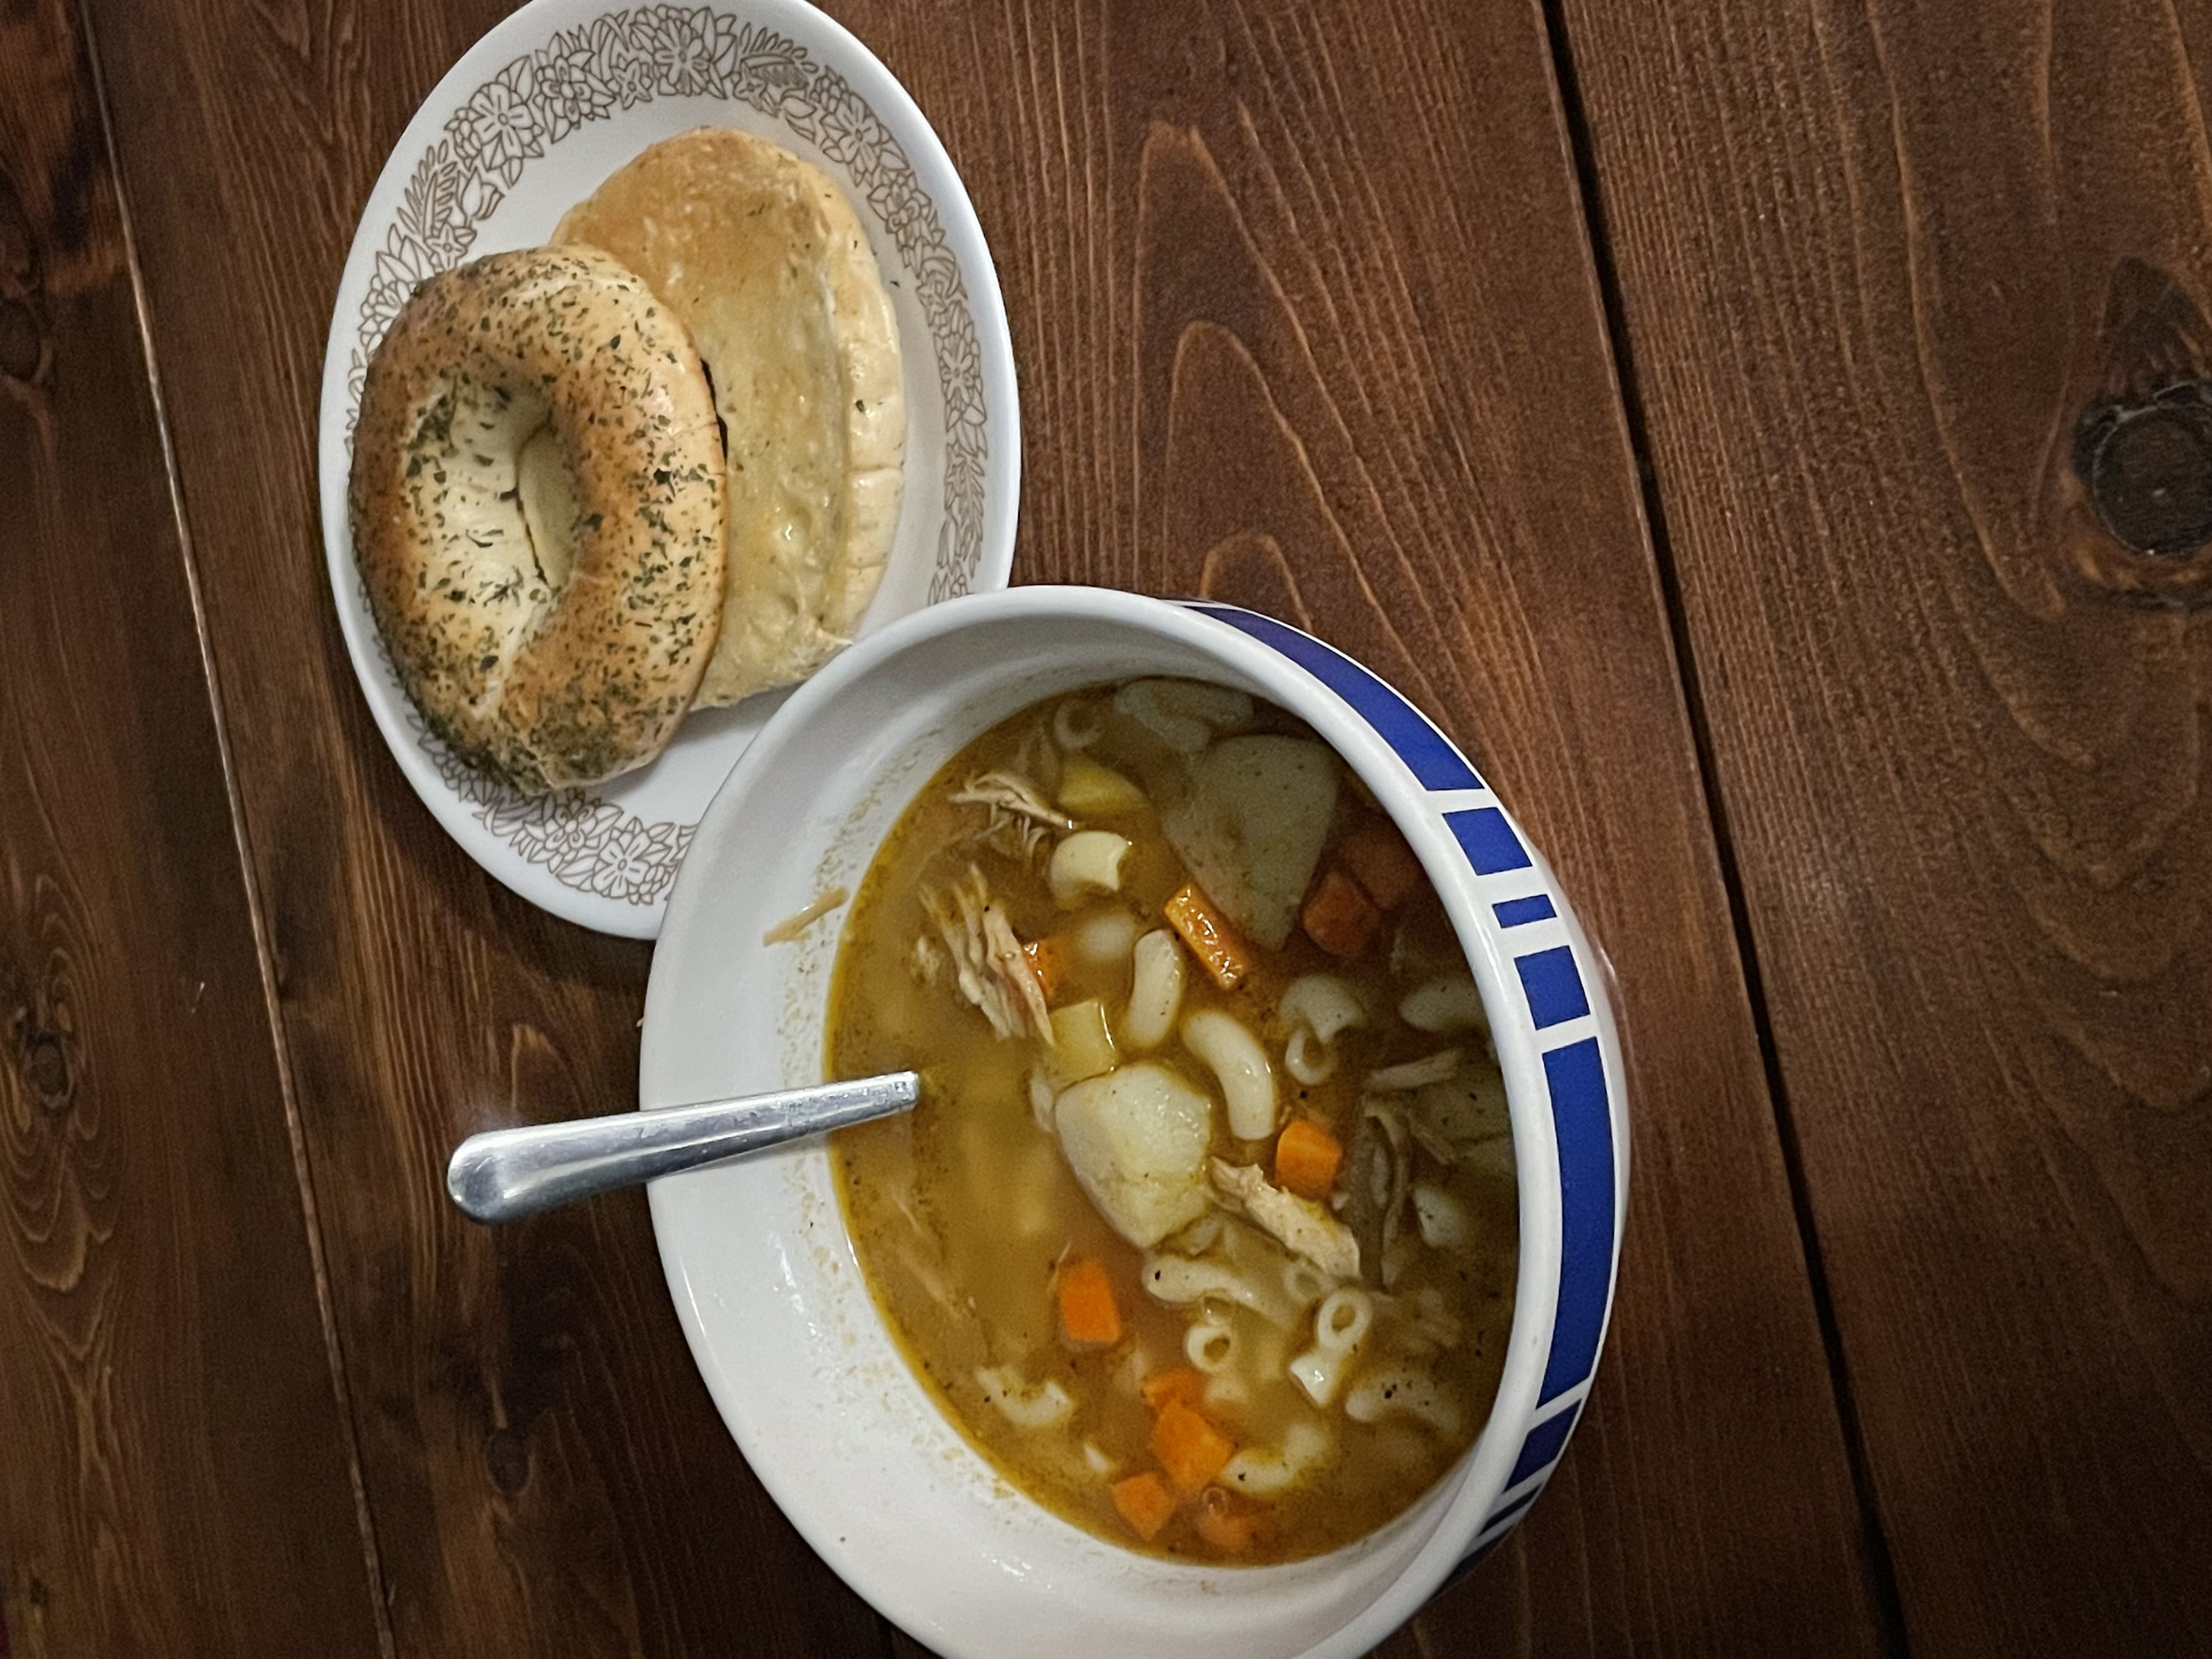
544, 1467
1304, 317
178, 1468
1877, 261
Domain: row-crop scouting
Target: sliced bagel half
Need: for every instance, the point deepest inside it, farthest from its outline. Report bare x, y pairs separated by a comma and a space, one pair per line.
762, 260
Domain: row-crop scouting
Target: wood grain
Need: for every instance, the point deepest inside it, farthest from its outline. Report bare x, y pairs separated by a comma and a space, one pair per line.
176, 1465
543, 1468
1877, 262
1305, 319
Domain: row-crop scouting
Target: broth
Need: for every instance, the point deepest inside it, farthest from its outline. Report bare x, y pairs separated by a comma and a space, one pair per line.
1174, 1348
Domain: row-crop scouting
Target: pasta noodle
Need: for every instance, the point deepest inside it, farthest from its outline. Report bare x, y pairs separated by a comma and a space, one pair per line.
1271, 1470
1087, 861
1210, 1345
1156, 989
1341, 1323
1327, 1003
1446, 1004
1404, 1392
1106, 937
1178, 1280
1248, 1082
1308, 1059
1023, 1405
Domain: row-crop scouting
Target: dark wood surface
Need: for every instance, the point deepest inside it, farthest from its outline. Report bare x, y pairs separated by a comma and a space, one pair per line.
1876, 261
1371, 315
175, 1468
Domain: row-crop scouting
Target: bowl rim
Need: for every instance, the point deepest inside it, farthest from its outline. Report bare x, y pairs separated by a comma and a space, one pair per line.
1474, 1518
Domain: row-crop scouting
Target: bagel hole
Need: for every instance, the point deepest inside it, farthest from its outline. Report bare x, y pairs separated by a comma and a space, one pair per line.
548, 496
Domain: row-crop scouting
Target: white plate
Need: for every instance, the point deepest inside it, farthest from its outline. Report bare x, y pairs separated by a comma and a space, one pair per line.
528, 123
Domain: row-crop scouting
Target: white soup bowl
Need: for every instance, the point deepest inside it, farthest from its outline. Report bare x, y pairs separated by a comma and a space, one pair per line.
792, 1346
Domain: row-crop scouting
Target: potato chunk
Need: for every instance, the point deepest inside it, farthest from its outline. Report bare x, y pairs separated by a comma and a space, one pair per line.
1251, 825
1136, 1140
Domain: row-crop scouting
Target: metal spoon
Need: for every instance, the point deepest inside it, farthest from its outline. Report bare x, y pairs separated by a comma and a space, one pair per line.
507, 1174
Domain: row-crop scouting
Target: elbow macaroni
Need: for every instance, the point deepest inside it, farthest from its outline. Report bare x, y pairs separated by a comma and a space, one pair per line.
1248, 1082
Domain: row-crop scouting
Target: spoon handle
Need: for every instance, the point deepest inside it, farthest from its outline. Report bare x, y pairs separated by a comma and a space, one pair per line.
505, 1174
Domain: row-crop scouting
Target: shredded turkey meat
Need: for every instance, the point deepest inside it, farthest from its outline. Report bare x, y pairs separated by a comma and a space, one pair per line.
988, 964
1301, 1225
1018, 814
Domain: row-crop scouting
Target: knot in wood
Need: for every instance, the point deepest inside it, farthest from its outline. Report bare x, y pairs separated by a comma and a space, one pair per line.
22, 342
19, 252
2147, 468
40, 1054
46, 1069
506, 1453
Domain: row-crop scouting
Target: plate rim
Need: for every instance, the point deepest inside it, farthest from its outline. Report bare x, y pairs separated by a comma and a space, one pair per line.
515, 36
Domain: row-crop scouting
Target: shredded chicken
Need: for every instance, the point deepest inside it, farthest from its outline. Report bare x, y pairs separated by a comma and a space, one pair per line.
1301, 1225
1018, 813
987, 961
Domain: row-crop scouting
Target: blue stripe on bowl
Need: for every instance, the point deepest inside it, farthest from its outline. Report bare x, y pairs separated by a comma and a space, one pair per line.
1554, 986
1543, 1444
1397, 722
1512, 913
1576, 1077
1488, 840
1511, 1509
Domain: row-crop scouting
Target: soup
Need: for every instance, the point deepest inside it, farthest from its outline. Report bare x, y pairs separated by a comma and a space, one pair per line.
1205, 1231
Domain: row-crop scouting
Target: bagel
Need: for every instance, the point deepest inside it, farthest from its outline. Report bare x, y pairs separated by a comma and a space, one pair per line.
528, 413
762, 257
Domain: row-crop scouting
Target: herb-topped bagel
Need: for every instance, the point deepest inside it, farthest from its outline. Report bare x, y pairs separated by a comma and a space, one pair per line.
526, 411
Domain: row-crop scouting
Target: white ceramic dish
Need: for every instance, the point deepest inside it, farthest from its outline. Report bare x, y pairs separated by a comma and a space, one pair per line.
764, 1278
538, 112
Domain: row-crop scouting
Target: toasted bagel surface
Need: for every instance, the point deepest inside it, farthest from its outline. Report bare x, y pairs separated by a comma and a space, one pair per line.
547, 678
763, 258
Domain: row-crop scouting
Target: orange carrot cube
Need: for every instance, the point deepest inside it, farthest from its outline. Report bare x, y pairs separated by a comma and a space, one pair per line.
1088, 1317
1048, 960
1190, 1449
1145, 1503
1339, 917
1182, 1383
1233, 1525
1207, 931
1307, 1157
1377, 856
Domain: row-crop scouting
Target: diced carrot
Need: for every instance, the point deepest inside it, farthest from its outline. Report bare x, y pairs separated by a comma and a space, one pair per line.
1182, 1383
1339, 917
1190, 1449
1233, 1525
1306, 1159
1145, 1503
1208, 933
1088, 1316
1049, 959
1377, 856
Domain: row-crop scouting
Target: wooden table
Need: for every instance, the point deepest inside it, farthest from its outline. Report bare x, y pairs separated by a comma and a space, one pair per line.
1732, 419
